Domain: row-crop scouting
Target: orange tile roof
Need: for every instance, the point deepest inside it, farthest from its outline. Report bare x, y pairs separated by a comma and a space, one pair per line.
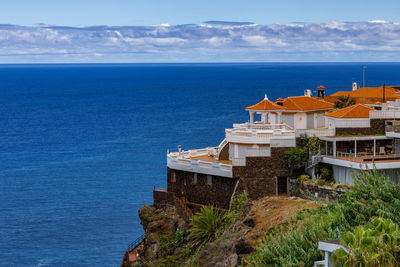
305, 103
370, 92
265, 104
352, 112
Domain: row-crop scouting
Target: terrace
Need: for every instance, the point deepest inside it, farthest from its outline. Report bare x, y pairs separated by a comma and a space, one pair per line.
200, 161
360, 152
261, 133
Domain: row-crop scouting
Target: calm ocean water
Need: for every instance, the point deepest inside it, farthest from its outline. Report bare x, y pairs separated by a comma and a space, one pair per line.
81, 146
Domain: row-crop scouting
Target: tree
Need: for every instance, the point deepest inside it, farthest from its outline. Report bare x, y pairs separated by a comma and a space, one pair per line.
344, 101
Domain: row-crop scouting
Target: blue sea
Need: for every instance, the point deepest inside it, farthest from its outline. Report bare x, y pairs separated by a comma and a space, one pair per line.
82, 146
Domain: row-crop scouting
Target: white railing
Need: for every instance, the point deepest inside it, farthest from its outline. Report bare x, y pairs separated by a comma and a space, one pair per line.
221, 146
352, 123
257, 137
195, 152
364, 157
262, 134
183, 161
384, 114
262, 126
317, 132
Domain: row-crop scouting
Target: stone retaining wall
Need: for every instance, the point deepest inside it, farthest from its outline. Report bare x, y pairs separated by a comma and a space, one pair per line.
307, 189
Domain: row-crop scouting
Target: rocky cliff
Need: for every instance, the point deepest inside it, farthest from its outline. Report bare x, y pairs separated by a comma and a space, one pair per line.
232, 245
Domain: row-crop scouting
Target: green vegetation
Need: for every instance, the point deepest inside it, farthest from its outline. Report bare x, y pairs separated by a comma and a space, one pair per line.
344, 101
239, 207
207, 224
295, 159
167, 242
374, 244
295, 244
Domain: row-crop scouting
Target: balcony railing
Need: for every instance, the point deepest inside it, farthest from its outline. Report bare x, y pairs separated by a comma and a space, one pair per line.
316, 132
185, 161
259, 134
365, 158
262, 126
384, 114
391, 128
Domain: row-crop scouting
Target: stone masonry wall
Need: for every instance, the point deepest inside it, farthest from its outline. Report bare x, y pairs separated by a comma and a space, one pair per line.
377, 127
218, 193
306, 189
259, 176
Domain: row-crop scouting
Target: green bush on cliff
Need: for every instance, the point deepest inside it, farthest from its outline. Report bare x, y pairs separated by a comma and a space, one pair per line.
207, 224
167, 242
296, 244
375, 244
240, 205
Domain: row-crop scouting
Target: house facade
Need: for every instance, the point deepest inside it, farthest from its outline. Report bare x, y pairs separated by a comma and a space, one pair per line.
251, 157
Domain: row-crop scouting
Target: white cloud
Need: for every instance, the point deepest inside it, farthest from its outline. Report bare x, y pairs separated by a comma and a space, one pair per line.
215, 40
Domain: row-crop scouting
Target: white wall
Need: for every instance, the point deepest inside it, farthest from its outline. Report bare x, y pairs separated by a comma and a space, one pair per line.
237, 151
300, 120
288, 118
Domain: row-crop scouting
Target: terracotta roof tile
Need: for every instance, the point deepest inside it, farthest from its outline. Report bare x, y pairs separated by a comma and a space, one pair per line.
351, 112
265, 104
370, 92
305, 103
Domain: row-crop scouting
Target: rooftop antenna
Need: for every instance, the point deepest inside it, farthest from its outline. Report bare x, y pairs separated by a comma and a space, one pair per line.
364, 84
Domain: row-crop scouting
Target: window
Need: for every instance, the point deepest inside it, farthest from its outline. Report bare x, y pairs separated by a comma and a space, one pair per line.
209, 180
173, 177
195, 178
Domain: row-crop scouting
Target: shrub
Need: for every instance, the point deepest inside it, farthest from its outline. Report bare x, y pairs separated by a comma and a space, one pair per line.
295, 159
167, 242
239, 206
207, 224
373, 195
326, 174
375, 244
296, 244
304, 178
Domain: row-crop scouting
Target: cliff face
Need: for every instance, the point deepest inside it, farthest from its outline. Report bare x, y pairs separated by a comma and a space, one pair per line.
235, 243
157, 222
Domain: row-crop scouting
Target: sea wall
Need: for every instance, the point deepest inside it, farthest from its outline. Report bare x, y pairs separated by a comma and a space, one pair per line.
306, 190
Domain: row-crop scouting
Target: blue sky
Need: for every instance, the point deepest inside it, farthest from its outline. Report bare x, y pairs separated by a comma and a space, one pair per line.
184, 31
150, 12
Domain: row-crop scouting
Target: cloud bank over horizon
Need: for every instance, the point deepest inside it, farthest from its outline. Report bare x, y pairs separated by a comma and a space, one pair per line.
213, 41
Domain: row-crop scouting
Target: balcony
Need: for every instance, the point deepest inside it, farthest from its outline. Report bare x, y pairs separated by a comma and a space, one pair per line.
280, 135
317, 132
200, 161
366, 158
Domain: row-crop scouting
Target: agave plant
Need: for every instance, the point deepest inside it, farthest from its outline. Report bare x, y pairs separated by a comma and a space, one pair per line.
207, 224
375, 244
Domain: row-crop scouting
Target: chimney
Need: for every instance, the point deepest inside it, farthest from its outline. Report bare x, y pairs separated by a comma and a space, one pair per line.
321, 91
354, 86
279, 101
